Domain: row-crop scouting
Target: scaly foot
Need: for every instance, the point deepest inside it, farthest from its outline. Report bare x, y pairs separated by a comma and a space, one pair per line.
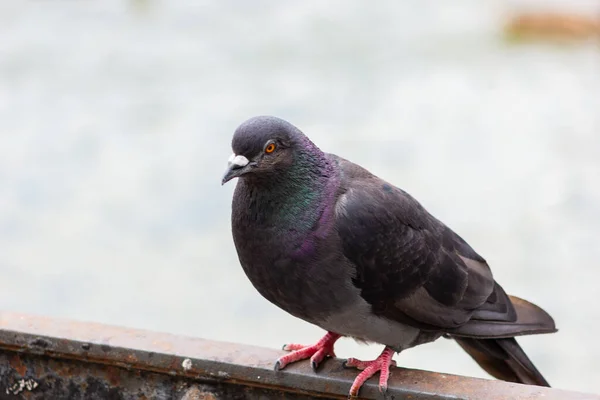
317, 352
369, 368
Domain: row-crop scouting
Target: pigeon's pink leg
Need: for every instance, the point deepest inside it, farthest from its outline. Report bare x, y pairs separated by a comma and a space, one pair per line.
369, 368
317, 352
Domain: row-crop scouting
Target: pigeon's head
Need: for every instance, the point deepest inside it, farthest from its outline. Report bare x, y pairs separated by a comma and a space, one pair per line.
263, 145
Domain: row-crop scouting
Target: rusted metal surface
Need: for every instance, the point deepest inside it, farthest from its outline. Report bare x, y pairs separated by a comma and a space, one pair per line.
54, 378
46, 358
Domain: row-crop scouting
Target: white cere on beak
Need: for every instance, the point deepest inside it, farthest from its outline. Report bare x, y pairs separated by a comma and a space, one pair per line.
240, 161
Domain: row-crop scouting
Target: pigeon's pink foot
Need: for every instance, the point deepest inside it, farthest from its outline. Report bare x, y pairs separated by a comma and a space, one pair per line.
369, 368
317, 352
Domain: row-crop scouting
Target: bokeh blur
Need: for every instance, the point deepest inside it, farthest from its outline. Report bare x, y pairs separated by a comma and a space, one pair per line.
115, 126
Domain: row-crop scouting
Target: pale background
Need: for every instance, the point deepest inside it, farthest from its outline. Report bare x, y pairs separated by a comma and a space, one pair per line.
116, 120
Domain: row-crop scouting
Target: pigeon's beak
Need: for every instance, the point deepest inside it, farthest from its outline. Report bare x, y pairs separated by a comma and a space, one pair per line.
236, 166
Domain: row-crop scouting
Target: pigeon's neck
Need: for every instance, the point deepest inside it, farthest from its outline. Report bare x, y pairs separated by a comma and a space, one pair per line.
304, 193
300, 196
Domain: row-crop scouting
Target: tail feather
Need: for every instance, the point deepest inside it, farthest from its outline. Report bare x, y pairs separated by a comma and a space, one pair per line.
503, 359
530, 320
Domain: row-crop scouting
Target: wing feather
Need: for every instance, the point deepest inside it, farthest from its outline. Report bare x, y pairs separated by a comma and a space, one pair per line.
409, 266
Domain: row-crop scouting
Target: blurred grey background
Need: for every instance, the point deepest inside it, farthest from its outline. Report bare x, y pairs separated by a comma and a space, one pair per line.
115, 126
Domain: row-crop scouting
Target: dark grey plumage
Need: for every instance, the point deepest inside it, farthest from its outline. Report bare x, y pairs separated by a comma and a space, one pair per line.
329, 242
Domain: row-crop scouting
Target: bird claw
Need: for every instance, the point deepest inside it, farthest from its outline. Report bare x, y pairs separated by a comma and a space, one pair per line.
317, 352
382, 389
356, 364
370, 368
314, 365
293, 346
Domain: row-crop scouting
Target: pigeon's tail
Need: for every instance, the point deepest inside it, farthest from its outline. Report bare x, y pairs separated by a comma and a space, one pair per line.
503, 359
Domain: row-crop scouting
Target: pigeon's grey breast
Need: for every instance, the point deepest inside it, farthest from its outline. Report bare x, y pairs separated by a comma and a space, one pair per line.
297, 266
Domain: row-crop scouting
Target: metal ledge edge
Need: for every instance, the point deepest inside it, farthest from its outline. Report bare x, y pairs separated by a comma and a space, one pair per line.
196, 360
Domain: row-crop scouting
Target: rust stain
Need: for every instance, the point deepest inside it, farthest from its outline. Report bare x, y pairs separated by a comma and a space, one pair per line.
114, 376
65, 371
17, 364
131, 358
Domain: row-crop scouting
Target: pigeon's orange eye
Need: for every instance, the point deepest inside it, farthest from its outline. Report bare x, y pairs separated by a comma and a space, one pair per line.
270, 148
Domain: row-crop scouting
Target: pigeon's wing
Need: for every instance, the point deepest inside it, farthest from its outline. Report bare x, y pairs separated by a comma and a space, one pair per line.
409, 266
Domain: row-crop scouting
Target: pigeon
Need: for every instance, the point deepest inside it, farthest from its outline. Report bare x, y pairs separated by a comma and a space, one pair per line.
332, 244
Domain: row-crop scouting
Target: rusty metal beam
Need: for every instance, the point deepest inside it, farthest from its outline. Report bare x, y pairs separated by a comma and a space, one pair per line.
43, 358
